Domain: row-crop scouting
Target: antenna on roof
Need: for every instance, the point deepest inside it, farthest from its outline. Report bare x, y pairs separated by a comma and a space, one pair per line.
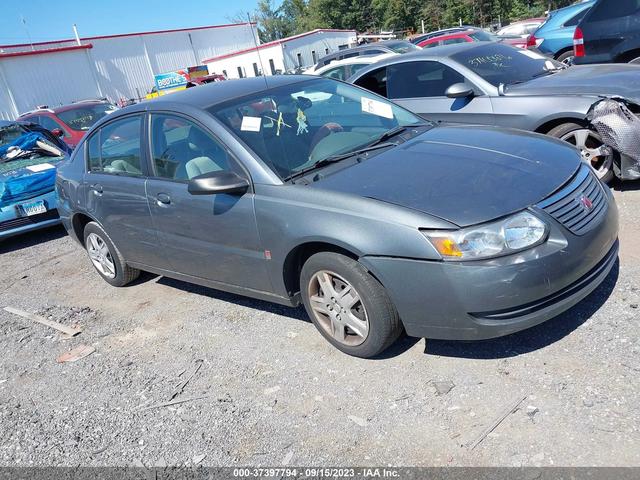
255, 42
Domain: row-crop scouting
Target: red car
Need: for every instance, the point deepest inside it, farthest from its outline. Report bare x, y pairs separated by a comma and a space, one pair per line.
70, 122
470, 35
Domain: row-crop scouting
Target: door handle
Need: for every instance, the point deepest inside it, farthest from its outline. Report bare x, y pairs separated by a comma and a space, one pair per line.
97, 188
163, 199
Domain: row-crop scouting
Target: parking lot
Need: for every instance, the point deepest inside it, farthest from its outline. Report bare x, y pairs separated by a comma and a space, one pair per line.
185, 375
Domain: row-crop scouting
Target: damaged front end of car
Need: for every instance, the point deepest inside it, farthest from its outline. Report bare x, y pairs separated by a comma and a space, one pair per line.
617, 121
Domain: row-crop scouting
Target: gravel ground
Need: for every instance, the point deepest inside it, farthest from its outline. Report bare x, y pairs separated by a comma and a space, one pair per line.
263, 388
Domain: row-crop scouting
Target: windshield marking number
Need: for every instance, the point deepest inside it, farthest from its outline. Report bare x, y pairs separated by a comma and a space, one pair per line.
251, 124
369, 105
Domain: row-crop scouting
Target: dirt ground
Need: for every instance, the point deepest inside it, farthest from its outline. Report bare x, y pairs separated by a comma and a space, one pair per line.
263, 387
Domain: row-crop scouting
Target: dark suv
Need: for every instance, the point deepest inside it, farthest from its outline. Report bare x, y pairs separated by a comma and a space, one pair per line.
609, 33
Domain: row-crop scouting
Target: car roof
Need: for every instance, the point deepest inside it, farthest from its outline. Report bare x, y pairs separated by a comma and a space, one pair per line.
361, 59
63, 108
436, 53
359, 48
215, 93
524, 22
456, 34
570, 9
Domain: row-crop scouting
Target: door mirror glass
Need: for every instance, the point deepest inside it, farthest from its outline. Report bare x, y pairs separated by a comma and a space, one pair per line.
213, 183
58, 132
459, 90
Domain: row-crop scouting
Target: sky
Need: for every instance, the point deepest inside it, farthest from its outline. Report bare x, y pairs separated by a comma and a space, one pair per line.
53, 19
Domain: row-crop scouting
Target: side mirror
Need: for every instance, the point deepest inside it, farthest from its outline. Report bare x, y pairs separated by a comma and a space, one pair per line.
57, 132
459, 90
221, 181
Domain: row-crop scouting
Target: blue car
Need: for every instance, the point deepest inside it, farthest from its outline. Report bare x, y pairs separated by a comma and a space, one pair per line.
554, 37
28, 158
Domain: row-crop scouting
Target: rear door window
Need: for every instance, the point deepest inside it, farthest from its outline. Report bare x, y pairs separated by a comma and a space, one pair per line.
575, 20
116, 149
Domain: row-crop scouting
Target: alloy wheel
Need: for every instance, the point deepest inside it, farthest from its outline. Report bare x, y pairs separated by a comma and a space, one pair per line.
100, 255
338, 308
593, 151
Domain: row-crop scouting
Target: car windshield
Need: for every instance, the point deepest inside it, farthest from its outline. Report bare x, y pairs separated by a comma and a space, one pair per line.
482, 36
296, 126
9, 133
402, 47
83, 117
502, 64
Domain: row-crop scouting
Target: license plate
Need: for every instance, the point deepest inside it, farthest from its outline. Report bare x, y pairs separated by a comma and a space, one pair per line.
33, 208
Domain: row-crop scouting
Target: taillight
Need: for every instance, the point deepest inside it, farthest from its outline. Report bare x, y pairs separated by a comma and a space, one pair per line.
578, 43
531, 41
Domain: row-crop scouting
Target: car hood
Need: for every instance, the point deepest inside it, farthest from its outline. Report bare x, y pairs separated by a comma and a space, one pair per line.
465, 175
597, 80
26, 178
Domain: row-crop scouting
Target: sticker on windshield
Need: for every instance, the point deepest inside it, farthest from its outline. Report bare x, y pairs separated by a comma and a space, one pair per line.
41, 167
251, 124
375, 107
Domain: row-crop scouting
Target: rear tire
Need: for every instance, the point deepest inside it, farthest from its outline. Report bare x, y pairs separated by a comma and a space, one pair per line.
348, 306
577, 135
106, 258
566, 57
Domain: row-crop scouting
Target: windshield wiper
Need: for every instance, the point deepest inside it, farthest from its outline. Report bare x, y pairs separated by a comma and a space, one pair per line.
396, 131
336, 158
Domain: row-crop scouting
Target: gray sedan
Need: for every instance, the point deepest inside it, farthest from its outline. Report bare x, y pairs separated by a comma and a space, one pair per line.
495, 84
294, 190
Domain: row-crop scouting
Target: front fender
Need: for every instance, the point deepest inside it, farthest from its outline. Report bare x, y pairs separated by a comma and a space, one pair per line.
290, 216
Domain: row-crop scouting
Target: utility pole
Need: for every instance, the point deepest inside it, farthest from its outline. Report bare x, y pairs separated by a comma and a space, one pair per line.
24, 24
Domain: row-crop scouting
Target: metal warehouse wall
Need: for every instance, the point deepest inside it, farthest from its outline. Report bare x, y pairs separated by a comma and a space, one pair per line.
246, 61
284, 53
318, 43
120, 66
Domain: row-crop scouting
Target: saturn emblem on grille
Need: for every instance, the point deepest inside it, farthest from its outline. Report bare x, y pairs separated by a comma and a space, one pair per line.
586, 202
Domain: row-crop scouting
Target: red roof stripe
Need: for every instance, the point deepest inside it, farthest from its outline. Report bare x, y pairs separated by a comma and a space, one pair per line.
46, 50
274, 43
126, 35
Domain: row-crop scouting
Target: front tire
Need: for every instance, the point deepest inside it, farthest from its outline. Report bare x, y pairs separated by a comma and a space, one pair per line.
348, 306
590, 144
106, 258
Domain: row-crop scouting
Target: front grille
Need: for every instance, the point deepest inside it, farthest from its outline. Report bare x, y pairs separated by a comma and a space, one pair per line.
24, 221
580, 205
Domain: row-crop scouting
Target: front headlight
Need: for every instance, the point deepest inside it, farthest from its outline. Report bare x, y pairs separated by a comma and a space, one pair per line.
509, 235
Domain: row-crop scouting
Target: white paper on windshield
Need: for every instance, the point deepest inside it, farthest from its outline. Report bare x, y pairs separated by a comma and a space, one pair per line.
530, 54
369, 105
251, 124
41, 167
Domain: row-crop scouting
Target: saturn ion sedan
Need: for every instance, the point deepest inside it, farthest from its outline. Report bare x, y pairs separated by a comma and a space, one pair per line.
296, 189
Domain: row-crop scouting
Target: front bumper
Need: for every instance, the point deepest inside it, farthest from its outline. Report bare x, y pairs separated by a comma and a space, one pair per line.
486, 299
12, 223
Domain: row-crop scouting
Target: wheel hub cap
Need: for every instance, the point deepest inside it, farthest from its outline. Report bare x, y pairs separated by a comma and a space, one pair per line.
338, 308
100, 255
593, 151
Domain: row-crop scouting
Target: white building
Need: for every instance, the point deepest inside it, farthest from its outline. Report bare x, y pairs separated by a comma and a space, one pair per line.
114, 66
283, 55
